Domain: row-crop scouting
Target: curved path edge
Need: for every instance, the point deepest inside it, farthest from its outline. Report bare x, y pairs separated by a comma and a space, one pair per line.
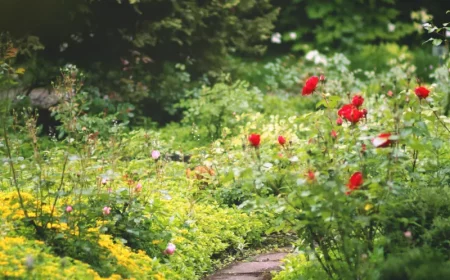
254, 268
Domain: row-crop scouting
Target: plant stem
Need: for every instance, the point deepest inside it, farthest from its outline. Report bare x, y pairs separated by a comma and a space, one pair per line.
439, 119
13, 170
61, 183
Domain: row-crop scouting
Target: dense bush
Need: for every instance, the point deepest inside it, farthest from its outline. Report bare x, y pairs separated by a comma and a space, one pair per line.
210, 107
135, 50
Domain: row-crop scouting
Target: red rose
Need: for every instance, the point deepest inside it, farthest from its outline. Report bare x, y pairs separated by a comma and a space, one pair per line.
355, 181
254, 139
345, 110
422, 92
350, 113
281, 140
357, 100
382, 140
311, 176
310, 85
339, 121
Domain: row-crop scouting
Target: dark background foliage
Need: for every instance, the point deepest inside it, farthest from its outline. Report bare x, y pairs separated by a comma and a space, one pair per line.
149, 52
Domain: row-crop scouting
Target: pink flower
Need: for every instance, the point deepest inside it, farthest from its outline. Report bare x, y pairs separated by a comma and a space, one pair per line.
138, 187
124, 61
170, 249
334, 134
69, 209
104, 181
155, 154
407, 234
322, 78
339, 121
390, 93
106, 210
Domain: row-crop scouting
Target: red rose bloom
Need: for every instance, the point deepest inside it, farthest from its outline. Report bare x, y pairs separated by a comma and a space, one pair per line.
310, 85
363, 148
254, 139
364, 112
422, 92
382, 140
357, 100
281, 140
345, 110
355, 181
350, 113
311, 176
333, 134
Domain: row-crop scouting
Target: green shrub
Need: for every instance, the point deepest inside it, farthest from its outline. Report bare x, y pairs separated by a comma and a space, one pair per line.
151, 52
416, 264
298, 267
217, 108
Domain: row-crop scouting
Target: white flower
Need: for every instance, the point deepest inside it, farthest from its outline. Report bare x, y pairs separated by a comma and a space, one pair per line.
391, 27
320, 60
293, 35
276, 38
63, 46
293, 159
316, 57
447, 33
311, 54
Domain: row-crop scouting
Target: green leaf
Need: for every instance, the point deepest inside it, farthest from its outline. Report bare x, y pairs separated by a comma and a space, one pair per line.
431, 39
321, 103
437, 42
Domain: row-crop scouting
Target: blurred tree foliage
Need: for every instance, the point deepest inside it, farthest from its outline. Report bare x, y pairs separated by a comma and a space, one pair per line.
345, 25
136, 50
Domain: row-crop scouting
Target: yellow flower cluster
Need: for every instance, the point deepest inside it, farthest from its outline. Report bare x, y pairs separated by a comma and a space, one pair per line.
26, 259
137, 264
10, 205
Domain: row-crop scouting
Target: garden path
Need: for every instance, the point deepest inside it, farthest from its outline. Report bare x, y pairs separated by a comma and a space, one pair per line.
255, 268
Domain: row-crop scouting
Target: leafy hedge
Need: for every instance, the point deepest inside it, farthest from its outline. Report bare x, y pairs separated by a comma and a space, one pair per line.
136, 50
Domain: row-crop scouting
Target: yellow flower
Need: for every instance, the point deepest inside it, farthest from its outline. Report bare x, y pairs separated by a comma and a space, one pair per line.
368, 206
